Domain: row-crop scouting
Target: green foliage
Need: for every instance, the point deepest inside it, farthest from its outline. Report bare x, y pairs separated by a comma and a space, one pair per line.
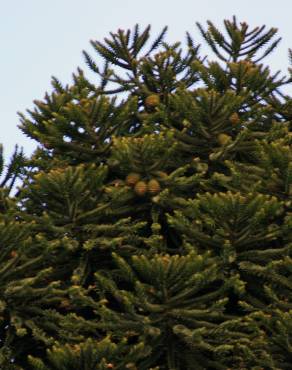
11, 172
176, 304
152, 229
248, 236
161, 73
240, 41
91, 355
278, 327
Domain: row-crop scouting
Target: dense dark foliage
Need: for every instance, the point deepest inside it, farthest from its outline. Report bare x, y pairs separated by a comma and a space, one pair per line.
152, 227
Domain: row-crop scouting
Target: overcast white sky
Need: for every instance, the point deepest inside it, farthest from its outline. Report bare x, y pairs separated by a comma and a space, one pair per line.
41, 38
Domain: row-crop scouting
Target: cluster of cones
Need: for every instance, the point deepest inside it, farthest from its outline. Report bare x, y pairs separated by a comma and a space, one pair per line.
142, 187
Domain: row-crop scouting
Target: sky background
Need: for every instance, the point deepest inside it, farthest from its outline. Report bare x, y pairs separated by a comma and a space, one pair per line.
40, 39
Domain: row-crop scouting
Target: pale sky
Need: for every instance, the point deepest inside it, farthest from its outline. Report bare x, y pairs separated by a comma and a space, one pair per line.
44, 38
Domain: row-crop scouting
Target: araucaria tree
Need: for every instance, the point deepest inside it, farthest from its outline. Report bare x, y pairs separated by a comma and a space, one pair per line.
152, 226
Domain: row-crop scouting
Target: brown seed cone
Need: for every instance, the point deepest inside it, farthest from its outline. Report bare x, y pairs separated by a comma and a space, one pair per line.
223, 139
153, 187
161, 174
165, 260
152, 101
13, 254
234, 118
87, 107
132, 179
140, 188
83, 101
76, 348
117, 183
65, 303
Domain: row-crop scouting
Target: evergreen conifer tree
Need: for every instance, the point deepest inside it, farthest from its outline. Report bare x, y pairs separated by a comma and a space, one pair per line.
153, 226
